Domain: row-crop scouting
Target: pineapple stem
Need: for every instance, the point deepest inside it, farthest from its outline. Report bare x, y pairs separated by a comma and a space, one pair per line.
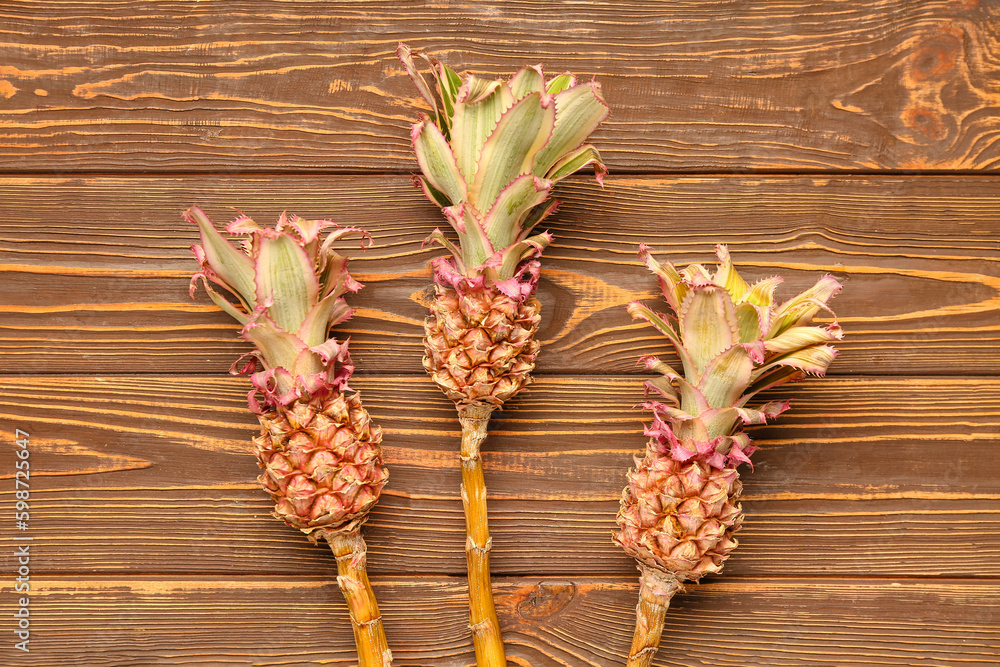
369, 634
655, 590
482, 611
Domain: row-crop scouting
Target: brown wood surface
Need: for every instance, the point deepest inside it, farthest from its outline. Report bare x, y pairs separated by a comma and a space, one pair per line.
578, 623
164, 479
856, 138
694, 86
918, 256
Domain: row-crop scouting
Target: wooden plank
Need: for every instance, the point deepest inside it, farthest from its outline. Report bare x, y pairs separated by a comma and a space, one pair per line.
153, 475
698, 86
96, 270
569, 623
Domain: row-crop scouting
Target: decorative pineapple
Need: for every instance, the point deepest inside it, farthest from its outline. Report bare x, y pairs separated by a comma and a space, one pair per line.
318, 450
490, 155
679, 511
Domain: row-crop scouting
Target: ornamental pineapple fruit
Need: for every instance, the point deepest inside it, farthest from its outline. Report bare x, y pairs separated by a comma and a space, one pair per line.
489, 156
319, 453
679, 512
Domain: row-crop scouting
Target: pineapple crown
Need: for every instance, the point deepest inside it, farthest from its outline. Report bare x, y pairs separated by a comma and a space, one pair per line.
490, 155
733, 342
285, 286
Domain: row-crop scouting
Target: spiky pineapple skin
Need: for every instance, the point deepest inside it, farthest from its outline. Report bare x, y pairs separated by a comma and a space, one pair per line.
679, 517
480, 344
321, 462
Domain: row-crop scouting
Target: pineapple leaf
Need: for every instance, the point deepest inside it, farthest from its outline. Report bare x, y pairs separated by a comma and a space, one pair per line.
802, 308
436, 196
285, 281
800, 337
475, 90
331, 310
664, 388
230, 264
405, 55
560, 83
513, 203
777, 376
674, 290
640, 312
438, 236
579, 110
219, 300
719, 421
437, 161
726, 276
280, 348
708, 327
448, 85
748, 317
476, 246
527, 80
726, 377
471, 125
812, 360
536, 215
515, 254
508, 152
577, 160
762, 292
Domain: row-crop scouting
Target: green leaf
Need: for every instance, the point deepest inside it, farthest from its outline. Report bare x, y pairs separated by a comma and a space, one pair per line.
280, 348
719, 421
536, 215
707, 322
762, 292
560, 83
435, 196
438, 236
813, 360
223, 303
513, 255
328, 312
514, 202
510, 149
800, 309
579, 110
748, 319
674, 290
575, 161
285, 276
471, 125
475, 90
800, 337
726, 275
527, 80
727, 377
405, 55
639, 311
231, 265
438, 162
448, 84
476, 247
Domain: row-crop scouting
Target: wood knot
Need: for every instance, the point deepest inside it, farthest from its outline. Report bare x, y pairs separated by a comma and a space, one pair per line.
925, 122
546, 600
936, 57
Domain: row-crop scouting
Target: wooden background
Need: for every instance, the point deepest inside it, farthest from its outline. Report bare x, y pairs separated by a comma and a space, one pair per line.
860, 138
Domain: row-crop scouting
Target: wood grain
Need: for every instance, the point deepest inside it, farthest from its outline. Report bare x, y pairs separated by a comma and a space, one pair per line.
154, 475
96, 270
582, 622
315, 86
